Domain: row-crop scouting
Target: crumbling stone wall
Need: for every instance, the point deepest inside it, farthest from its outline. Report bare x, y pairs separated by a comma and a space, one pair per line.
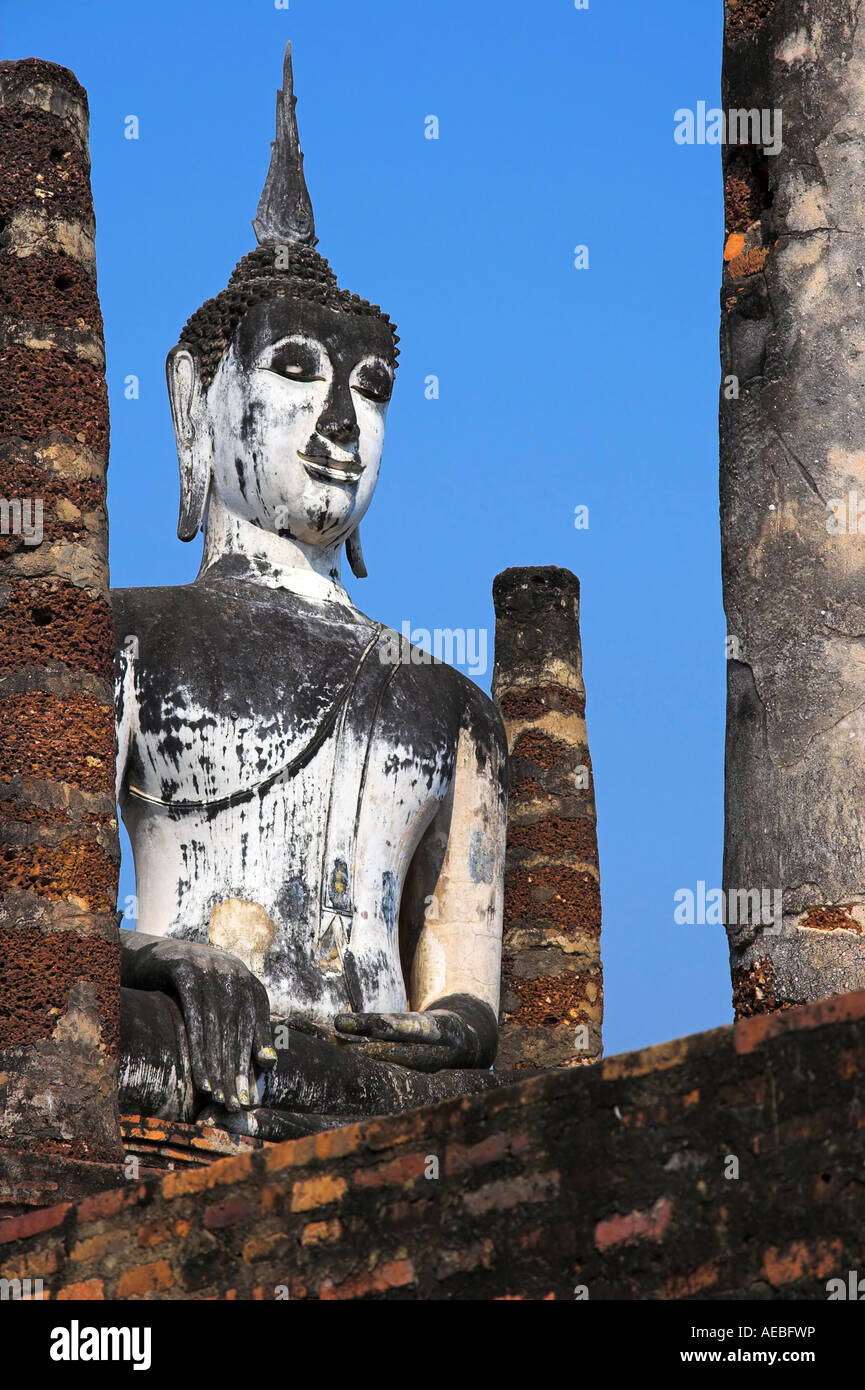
59, 855
725, 1165
552, 982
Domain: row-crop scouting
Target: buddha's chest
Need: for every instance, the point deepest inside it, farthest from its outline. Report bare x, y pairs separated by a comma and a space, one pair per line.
320, 720
275, 813
302, 879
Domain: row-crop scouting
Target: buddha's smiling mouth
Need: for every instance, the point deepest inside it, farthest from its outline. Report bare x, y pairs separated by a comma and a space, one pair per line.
329, 470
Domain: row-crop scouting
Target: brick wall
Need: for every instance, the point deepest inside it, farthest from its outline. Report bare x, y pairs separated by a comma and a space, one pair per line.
611, 1178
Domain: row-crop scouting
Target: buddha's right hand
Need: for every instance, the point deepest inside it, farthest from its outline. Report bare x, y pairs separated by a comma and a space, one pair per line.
224, 1007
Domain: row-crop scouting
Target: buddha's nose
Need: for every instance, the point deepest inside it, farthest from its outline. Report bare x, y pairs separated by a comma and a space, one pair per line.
338, 423
341, 430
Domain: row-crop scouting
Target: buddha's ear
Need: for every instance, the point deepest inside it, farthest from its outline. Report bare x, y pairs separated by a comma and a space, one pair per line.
193, 438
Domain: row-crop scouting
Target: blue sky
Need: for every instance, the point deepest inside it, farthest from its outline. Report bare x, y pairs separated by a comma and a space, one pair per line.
558, 387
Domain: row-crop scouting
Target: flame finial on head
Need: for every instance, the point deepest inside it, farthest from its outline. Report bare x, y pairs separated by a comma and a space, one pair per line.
285, 211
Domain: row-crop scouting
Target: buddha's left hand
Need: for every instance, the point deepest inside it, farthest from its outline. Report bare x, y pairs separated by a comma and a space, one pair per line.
437, 1038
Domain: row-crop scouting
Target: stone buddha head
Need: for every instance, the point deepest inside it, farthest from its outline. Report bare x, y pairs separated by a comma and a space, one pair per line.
279, 386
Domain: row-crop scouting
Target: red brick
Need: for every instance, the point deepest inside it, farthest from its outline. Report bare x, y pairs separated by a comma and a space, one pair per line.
751, 1033
512, 1192
265, 1247
801, 1260
145, 1279
155, 1232
336, 1143
317, 1192
107, 1204
96, 1247
228, 1213
88, 1289
459, 1156
31, 1264
185, 1183
399, 1170
294, 1153
394, 1275
218, 1174
637, 1225
20, 1227
321, 1232
686, 1285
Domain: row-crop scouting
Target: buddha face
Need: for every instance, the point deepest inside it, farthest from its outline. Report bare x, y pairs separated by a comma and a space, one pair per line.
296, 413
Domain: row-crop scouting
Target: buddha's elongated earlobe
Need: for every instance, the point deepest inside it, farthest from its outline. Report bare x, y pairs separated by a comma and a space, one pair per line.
355, 554
193, 441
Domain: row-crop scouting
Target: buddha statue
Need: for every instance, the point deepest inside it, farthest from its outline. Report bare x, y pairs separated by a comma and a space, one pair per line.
317, 817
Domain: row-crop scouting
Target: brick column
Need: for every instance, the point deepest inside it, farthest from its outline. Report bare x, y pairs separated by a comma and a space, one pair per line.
59, 950
793, 499
552, 983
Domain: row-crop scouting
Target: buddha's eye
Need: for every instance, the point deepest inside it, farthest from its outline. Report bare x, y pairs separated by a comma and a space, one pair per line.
297, 362
374, 381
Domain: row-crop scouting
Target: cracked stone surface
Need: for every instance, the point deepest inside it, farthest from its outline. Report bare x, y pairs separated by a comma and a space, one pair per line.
792, 481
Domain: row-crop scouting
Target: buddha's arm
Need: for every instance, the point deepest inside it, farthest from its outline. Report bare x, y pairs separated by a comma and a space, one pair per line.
224, 1007
452, 915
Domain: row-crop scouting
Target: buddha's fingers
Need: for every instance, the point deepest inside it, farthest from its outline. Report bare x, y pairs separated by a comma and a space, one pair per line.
414, 1056
396, 1028
192, 1009
265, 1052
243, 1052
218, 1021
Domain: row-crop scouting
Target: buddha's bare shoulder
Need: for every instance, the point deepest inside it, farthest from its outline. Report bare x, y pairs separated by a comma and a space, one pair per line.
432, 688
